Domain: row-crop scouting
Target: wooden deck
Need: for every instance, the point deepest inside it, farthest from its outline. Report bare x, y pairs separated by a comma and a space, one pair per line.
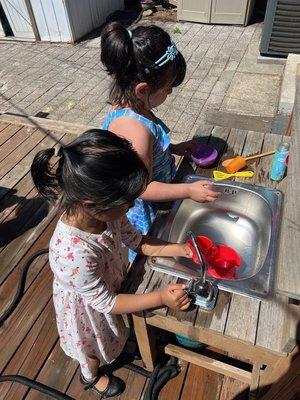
29, 340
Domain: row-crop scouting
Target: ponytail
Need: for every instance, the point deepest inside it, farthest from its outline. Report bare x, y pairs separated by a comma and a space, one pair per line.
97, 166
45, 180
117, 49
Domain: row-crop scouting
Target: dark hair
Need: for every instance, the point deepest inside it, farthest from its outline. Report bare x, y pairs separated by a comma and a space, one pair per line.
98, 166
132, 60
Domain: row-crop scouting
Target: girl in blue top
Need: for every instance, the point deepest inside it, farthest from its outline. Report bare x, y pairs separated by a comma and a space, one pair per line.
145, 65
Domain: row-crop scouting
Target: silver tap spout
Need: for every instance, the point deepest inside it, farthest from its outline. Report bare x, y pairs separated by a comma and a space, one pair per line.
200, 257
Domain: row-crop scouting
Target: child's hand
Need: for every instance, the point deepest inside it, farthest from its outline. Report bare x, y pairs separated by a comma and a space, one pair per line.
183, 148
202, 191
174, 296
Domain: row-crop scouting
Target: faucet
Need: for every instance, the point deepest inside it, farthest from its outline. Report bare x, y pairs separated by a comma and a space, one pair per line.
200, 287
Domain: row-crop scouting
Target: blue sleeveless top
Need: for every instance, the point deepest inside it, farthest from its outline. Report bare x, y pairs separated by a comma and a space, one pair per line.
143, 213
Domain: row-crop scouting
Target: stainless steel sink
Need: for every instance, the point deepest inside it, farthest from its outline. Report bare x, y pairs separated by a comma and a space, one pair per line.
245, 217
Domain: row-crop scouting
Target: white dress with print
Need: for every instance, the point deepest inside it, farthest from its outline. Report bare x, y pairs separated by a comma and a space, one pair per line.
88, 272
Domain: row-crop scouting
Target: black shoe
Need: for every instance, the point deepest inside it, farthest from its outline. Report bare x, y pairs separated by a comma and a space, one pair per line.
115, 386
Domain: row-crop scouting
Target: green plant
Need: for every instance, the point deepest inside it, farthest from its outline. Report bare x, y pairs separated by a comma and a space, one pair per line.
176, 30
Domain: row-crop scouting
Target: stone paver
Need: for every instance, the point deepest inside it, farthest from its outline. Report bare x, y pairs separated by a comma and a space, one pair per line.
253, 94
68, 81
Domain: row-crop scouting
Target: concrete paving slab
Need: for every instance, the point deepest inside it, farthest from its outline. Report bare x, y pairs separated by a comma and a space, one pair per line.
287, 95
252, 94
250, 63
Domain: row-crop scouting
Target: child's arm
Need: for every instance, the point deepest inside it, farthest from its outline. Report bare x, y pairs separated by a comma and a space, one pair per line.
150, 246
198, 191
172, 295
142, 142
87, 277
182, 148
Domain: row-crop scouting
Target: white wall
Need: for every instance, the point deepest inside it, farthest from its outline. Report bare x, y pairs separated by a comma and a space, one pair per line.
87, 15
52, 20
69, 20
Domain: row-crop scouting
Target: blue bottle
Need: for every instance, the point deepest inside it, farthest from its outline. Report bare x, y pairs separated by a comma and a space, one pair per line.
279, 162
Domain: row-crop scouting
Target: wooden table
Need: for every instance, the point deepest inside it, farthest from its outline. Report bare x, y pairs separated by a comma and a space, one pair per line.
261, 333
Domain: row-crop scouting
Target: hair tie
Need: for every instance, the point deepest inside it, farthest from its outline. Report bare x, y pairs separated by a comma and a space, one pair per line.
129, 33
58, 151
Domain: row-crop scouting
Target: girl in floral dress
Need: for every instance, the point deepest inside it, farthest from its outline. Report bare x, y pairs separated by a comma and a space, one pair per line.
97, 178
145, 65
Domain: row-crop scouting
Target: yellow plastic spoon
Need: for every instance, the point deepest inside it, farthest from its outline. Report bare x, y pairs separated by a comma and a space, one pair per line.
219, 175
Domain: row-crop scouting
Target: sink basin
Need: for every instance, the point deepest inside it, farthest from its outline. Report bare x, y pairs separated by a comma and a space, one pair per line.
245, 217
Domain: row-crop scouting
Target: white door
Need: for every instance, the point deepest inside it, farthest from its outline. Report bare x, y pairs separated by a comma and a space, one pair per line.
229, 11
18, 18
194, 10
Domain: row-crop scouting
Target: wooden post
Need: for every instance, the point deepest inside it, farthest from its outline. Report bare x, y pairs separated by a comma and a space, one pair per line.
146, 341
255, 377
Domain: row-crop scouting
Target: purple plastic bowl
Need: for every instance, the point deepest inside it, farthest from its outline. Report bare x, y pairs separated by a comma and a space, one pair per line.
204, 155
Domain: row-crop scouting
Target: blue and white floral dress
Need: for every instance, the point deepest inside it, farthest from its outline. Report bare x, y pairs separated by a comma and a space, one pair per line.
143, 213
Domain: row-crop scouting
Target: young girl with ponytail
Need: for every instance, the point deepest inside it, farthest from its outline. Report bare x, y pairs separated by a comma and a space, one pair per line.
145, 65
95, 180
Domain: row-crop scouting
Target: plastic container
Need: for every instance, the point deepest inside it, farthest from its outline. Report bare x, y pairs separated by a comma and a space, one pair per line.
222, 260
192, 344
279, 162
204, 155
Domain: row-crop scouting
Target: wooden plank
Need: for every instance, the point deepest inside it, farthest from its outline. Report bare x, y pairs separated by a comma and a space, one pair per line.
14, 252
287, 385
10, 284
208, 363
288, 268
19, 170
146, 340
137, 277
26, 216
76, 390
9, 287
57, 372
238, 121
15, 196
233, 346
3, 125
8, 132
29, 144
31, 355
135, 383
277, 319
173, 388
16, 140
253, 145
271, 142
242, 324
234, 389
201, 384
46, 124
19, 323
277, 325
215, 320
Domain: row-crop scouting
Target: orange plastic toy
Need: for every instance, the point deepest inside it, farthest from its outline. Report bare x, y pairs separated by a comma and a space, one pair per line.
236, 164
